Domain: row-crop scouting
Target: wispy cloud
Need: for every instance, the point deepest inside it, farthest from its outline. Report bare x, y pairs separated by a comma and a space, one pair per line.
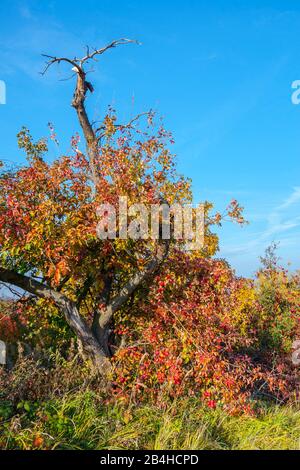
280, 220
292, 199
280, 224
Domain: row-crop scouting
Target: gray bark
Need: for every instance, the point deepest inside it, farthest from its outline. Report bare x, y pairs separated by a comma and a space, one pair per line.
70, 311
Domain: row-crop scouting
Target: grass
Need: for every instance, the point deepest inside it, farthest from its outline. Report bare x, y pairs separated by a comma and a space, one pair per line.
81, 421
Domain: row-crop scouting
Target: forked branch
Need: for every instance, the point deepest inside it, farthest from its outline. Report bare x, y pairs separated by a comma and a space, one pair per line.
78, 63
69, 309
80, 92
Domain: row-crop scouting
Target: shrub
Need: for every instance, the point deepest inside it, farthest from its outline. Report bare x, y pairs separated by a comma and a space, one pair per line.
201, 331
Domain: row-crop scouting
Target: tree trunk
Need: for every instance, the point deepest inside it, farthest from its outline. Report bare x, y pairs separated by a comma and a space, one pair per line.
91, 346
101, 333
90, 343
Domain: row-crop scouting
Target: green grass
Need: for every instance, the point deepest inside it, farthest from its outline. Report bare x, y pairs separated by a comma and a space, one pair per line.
81, 421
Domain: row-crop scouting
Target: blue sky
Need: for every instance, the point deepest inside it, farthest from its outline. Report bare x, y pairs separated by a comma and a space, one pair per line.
220, 74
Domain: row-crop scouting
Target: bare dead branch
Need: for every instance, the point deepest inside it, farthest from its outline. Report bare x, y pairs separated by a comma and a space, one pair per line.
56, 60
117, 42
78, 63
79, 97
